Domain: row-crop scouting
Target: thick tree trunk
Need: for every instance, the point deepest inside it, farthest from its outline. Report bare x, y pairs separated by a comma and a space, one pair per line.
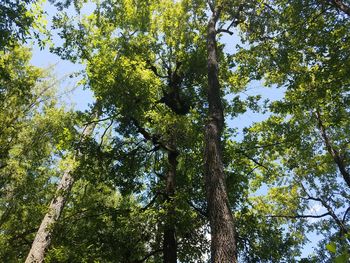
43, 237
223, 244
170, 243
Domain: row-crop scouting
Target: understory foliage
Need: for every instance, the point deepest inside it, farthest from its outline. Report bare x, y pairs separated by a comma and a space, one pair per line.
139, 191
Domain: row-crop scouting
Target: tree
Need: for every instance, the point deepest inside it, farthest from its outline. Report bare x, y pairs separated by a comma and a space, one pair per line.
17, 20
151, 70
223, 240
145, 56
134, 187
43, 236
32, 130
305, 134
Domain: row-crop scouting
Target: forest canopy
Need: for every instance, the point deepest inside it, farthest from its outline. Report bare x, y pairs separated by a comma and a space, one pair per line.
185, 153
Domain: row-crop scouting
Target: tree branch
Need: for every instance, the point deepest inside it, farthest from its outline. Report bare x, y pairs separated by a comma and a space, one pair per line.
210, 5
345, 214
235, 21
104, 133
222, 30
152, 253
341, 6
154, 138
154, 69
100, 120
328, 207
299, 216
200, 211
252, 159
337, 157
150, 203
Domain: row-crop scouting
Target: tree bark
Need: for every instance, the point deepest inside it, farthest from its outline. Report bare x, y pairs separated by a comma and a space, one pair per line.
223, 244
43, 237
341, 6
169, 232
336, 155
170, 242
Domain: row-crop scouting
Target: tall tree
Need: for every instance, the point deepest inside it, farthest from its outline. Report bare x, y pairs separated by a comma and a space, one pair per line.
33, 128
223, 240
43, 236
152, 70
305, 134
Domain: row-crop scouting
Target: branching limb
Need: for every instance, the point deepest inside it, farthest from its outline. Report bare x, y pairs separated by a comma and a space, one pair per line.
154, 70
336, 155
331, 212
104, 133
253, 160
345, 214
100, 120
236, 20
154, 138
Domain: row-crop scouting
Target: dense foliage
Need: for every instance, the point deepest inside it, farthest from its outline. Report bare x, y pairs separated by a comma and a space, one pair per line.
126, 181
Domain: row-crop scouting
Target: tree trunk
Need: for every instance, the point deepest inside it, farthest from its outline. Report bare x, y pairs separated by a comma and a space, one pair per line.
169, 231
223, 244
170, 243
43, 236
337, 157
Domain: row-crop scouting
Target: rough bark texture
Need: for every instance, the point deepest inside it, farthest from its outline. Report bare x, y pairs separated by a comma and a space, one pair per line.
170, 243
43, 237
223, 244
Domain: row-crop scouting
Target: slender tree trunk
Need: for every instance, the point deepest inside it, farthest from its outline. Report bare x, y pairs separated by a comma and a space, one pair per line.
336, 155
223, 244
43, 236
170, 243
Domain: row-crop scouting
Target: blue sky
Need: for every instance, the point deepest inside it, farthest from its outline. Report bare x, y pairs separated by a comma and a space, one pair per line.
75, 96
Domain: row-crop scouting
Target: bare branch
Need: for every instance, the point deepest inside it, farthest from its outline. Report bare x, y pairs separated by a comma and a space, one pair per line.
254, 160
154, 138
222, 30
154, 69
104, 133
329, 209
235, 22
100, 120
299, 216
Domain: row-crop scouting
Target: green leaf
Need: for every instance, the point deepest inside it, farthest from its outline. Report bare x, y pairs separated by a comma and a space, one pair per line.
331, 247
343, 258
